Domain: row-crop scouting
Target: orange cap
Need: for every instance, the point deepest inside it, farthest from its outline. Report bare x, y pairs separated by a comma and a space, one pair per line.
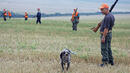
104, 6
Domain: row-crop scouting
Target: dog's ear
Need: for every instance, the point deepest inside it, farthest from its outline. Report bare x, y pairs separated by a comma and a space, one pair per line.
61, 54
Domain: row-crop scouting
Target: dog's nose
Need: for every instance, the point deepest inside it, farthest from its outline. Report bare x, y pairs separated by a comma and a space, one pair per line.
66, 54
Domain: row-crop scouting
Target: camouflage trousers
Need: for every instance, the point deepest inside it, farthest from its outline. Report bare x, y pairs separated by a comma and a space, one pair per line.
106, 49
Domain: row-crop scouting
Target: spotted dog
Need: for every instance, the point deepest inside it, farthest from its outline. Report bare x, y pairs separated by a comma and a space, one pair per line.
65, 57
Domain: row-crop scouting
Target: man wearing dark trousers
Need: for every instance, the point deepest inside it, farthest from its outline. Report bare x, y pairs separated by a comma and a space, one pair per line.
9, 14
106, 35
75, 19
26, 16
38, 16
4, 15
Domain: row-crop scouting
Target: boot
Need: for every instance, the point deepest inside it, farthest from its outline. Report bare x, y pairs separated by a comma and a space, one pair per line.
103, 64
111, 63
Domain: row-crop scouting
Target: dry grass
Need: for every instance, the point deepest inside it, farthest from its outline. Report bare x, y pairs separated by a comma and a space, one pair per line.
29, 48
48, 62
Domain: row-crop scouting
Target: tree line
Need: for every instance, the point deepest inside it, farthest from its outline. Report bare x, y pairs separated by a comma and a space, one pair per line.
17, 15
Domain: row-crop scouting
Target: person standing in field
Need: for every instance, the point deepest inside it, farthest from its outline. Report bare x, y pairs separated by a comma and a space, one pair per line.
75, 19
106, 35
4, 14
9, 14
38, 16
26, 16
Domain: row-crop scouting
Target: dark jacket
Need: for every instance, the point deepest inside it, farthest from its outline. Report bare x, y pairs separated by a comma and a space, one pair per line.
39, 15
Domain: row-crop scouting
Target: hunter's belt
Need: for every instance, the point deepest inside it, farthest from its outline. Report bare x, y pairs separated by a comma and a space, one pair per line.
108, 32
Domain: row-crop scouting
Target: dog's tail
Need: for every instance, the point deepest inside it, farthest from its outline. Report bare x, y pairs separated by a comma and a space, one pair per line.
73, 52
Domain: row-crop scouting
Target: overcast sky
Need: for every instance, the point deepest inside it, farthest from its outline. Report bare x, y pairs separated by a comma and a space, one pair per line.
62, 6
